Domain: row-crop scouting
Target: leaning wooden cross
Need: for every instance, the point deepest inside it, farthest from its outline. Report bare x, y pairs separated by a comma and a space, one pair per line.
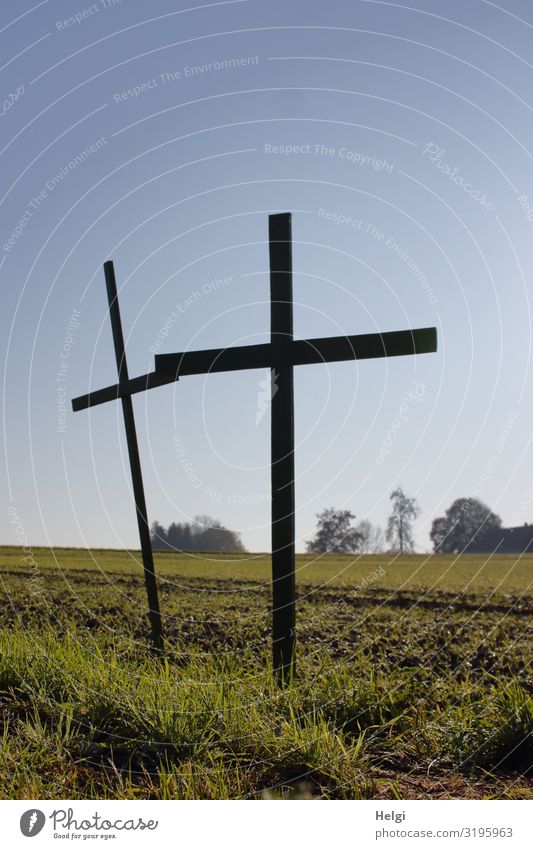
280, 355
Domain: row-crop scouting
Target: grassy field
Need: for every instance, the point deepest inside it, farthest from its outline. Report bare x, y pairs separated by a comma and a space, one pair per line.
414, 678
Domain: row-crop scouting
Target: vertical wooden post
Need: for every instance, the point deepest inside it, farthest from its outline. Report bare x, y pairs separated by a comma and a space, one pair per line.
135, 462
282, 457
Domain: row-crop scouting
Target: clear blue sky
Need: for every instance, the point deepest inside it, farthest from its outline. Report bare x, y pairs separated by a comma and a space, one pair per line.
161, 135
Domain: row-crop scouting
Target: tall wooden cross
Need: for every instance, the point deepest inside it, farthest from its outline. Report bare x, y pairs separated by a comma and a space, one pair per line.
280, 355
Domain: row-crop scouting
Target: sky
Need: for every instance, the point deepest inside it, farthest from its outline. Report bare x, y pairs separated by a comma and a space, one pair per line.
161, 136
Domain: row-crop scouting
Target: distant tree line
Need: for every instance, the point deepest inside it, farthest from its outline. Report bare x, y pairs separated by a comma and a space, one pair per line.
464, 526
202, 534
467, 525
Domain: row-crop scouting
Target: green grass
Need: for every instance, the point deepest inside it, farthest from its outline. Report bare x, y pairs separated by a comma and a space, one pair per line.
467, 573
413, 681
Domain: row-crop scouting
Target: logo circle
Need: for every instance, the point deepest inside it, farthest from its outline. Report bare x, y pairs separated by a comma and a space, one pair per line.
32, 822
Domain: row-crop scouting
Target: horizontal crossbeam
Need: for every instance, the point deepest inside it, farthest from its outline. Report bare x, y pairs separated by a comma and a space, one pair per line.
302, 352
170, 367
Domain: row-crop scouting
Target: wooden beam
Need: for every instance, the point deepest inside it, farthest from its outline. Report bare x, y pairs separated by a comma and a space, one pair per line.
214, 360
301, 352
135, 461
282, 448
397, 343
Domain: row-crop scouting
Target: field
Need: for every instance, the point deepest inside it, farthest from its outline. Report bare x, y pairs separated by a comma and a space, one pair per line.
413, 678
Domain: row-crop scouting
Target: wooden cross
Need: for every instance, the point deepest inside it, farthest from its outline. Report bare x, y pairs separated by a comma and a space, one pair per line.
280, 355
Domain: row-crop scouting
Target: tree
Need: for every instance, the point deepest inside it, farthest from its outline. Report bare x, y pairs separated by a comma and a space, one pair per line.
399, 531
175, 536
335, 533
159, 537
186, 538
371, 537
467, 519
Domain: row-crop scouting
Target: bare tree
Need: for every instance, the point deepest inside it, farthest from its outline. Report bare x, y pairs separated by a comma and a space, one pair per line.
371, 537
399, 531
